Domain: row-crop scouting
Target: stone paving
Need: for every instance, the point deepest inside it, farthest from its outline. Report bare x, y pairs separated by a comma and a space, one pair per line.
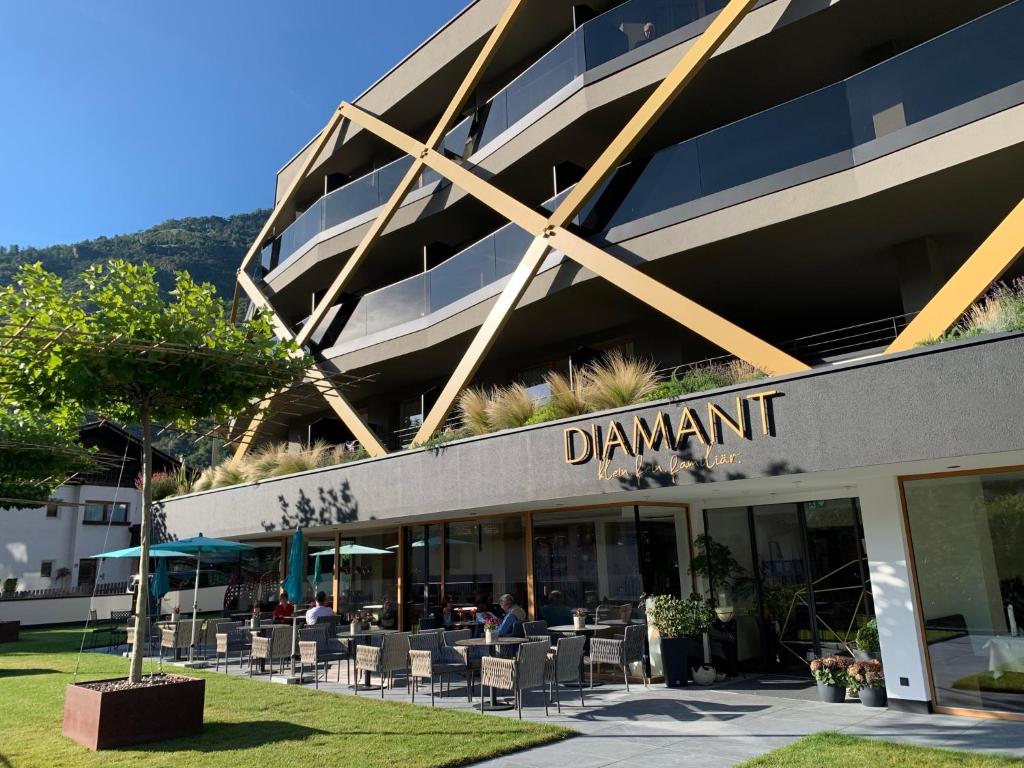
708, 727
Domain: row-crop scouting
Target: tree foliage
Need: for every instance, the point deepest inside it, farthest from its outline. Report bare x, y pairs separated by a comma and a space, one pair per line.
124, 349
37, 453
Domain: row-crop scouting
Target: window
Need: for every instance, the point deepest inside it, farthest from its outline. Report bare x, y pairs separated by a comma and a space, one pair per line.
967, 534
51, 510
46, 569
105, 512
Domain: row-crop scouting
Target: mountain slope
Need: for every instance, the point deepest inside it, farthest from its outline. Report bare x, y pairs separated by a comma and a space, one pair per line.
210, 248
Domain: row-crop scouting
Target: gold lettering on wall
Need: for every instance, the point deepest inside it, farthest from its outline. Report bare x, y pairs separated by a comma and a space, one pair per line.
717, 416
615, 440
762, 399
661, 433
586, 451
689, 424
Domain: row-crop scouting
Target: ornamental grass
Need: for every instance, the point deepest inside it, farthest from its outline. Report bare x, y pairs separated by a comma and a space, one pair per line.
618, 381
567, 398
509, 407
473, 410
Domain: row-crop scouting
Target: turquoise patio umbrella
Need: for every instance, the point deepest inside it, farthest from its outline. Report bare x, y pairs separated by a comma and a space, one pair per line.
160, 585
197, 546
294, 585
317, 574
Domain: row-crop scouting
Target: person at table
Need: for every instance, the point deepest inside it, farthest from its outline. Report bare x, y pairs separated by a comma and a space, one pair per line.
388, 613
320, 608
284, 610
556, 612
446, 613
514, 616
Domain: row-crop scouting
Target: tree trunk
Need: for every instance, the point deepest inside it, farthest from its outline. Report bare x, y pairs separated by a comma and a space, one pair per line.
142, 596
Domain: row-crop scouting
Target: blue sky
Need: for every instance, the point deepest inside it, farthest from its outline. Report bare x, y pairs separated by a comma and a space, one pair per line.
119, 114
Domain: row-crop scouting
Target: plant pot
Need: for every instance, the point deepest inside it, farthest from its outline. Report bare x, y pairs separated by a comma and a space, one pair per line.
831, 694
353, 627
9, 631
867, 655
703, 675
489, 635
101, 719
675, 661
579, 622
872, 697
724, 613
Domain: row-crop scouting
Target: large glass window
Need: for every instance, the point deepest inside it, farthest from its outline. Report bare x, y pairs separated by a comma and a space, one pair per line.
423, 571
967, 534
105, 512
369, 574
485, 560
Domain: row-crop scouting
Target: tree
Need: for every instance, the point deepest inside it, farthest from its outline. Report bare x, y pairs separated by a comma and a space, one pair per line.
121, 349
37, 453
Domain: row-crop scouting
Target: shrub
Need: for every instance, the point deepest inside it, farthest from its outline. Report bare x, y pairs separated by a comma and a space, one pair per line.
867, 637
473, 407
164, 484
567, 399
339, 454
447, 436
675, 617
509, 407
542, 413
865, 674
1002, 309
618, 381
700, 378
831, 670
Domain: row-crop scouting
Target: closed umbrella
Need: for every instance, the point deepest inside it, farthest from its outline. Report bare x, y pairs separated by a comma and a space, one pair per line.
198, 545
160, 585
317, 574
294, 584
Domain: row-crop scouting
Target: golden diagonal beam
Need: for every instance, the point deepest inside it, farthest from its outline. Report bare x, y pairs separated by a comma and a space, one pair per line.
275, 215
338, 402
386, 213
655, 105
984, 267
333, 396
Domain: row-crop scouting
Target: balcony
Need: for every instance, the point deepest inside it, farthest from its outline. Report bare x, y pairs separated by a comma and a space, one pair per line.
952, 80
636, 27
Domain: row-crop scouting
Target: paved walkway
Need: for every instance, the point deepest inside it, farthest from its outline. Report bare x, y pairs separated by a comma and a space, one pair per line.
706, 727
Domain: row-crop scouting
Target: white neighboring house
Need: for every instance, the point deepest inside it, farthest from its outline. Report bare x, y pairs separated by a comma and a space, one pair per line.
51, 547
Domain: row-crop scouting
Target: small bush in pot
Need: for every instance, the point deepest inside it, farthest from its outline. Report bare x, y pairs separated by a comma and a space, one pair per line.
830, 673
869, 680
868, 646
677, 621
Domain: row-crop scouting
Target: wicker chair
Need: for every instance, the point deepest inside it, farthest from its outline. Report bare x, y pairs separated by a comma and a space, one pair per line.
308, 655
280, 645
536, 630
429, 658
470, 656
260, 652
176, 637
391, 656
328, 648
116, 628
621, 653
233, 638
566, 666
528, 671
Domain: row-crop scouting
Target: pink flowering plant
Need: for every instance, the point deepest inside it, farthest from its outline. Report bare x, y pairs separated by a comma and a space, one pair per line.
491, 625
831, 670
580, 612
866, 674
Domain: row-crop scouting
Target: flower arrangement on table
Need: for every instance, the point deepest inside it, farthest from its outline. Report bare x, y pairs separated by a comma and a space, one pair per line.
579, 618
580, 612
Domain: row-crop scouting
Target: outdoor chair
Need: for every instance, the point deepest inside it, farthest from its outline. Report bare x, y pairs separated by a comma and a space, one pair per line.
116, 632
566, 666
391, 656
536, 630
234, 639
175, 637
150, 635
620, 653
260, 652
308, 656
328, 647
528, 671
280, 645
429, 658
428, 622
613, 612
470, 656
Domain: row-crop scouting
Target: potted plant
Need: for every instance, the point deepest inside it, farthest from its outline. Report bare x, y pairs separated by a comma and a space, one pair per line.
869, 680
490, 630
677, 621
579, 618
830, 674
868, 646
724, 573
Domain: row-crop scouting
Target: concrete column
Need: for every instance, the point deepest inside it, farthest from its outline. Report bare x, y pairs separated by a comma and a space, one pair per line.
906, 678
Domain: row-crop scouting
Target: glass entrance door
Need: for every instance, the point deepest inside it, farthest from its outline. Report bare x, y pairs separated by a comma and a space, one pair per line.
423, 566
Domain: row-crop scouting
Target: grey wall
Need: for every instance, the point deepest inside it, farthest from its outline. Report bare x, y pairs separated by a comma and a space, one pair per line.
950, 400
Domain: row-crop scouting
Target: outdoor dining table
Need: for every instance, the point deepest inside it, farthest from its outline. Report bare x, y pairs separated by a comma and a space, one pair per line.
350, 661
493, 705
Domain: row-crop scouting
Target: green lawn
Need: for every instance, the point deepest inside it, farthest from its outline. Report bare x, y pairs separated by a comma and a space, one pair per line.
835, 749
248, 723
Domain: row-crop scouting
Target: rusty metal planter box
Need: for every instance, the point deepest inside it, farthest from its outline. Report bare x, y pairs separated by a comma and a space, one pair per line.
106, 719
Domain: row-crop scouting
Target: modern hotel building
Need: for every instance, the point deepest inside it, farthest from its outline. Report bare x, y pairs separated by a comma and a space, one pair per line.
814, 187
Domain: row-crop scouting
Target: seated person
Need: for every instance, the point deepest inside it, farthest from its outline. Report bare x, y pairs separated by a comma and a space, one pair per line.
514, 616
388, 613
483, 615
446, 613
319, 609
284, 610
556, 613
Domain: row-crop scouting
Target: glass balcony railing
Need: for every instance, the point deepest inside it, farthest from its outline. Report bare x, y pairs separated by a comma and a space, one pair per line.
954, 79
896, 101
631, 25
